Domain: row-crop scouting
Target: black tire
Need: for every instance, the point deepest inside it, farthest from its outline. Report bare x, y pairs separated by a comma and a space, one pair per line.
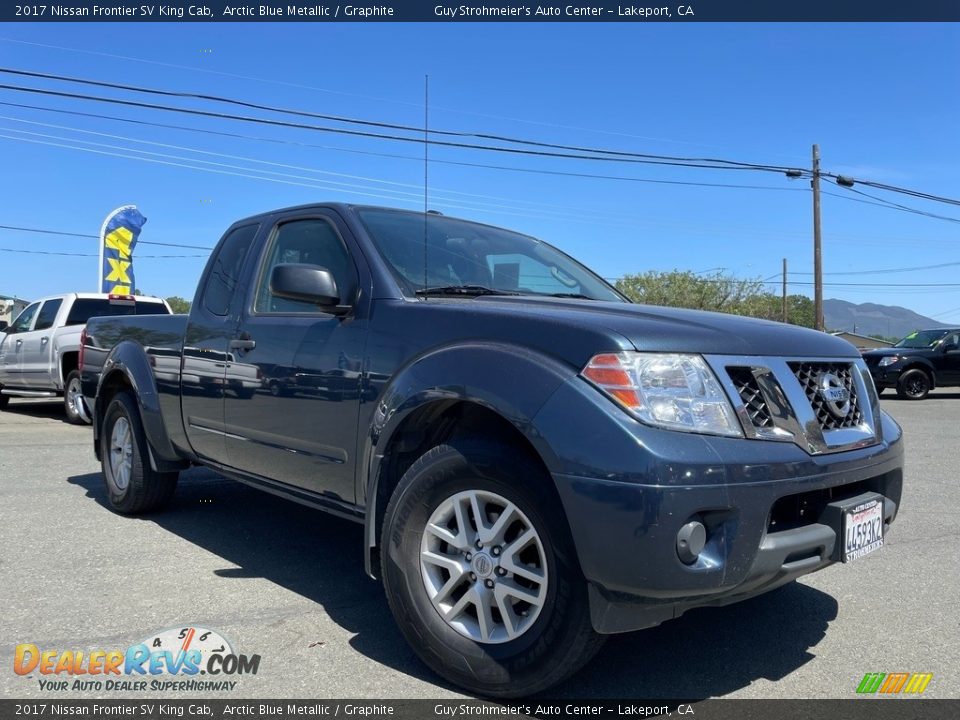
559, 640
73, 415
914, 385
880, 390
4, 400
145, 489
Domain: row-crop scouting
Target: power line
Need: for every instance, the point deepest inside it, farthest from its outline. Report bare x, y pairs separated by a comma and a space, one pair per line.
334, 148
97, 237
884, 271
385, 136
344, 93
378, 193
884, 285
396, 126
907, 191
562, 209
653, 158
69, 254
881, 202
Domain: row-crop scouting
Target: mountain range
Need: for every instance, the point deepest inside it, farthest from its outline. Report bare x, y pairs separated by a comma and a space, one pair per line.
891, 321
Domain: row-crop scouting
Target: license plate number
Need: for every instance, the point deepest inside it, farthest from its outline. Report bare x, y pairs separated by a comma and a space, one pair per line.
862, 529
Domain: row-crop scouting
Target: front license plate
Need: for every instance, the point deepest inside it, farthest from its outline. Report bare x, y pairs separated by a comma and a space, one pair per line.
862, 529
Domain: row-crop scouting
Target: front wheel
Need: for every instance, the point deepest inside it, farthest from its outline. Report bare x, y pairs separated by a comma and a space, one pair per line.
73, 404
480, 571
132, 485
4, 399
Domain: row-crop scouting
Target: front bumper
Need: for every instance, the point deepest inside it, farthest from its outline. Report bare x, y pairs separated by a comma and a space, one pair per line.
885, 377
761, 502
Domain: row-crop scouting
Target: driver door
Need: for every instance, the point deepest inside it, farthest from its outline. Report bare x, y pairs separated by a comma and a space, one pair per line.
292, 400
949, 362
11, 347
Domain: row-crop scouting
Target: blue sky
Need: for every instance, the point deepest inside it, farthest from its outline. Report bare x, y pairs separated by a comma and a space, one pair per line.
881, 100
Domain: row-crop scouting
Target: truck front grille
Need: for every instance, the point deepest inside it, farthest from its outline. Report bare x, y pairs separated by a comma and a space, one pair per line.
809, 375
753, 401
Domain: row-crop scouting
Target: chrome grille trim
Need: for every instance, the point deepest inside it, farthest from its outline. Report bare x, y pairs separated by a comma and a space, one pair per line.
808, 373
792, 412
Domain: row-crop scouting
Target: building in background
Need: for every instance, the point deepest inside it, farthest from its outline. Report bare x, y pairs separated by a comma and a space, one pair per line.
10, 307
862, 342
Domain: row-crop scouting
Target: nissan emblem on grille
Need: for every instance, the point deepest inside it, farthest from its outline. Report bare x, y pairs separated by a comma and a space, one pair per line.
835, 395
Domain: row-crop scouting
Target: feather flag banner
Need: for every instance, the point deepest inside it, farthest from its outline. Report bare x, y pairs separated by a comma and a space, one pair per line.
118, 237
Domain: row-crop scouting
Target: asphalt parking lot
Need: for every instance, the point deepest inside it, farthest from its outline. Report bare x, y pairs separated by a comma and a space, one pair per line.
287, 583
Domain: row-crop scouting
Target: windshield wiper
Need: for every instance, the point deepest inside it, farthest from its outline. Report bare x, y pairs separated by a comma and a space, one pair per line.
463, 290
576, 296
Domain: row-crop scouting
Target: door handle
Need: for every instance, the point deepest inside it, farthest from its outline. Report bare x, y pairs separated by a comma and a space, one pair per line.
19, 342
243, 344
43, 341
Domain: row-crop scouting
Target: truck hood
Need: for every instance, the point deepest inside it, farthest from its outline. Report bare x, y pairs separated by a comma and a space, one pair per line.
663, 329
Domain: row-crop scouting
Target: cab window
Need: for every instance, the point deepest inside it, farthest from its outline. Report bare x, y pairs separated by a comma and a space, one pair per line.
312, 241
227, 266
25, 319
48, 314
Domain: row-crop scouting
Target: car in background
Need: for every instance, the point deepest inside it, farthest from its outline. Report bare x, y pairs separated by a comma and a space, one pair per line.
920, 362
39, 351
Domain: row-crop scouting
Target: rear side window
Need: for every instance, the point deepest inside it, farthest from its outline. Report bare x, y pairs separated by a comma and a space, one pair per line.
48, 314
225, 272
85, 308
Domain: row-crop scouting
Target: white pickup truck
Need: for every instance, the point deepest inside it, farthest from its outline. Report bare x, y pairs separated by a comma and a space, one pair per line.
39, 350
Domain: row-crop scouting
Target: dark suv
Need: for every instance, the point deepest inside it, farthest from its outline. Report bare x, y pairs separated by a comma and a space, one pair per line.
921, 361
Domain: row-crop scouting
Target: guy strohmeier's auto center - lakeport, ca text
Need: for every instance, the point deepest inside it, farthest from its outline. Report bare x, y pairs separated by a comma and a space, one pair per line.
637, 12
356, 12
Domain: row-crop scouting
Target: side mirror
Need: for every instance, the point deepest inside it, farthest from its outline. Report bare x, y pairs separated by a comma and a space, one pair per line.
309, 283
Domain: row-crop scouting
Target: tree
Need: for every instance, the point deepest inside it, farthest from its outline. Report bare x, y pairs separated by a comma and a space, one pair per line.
178, 304
718, 292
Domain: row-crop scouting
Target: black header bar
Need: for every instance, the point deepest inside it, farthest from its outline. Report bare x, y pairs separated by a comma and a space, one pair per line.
502, 11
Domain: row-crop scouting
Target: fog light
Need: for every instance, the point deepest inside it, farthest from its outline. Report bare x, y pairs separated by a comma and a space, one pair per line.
690, 541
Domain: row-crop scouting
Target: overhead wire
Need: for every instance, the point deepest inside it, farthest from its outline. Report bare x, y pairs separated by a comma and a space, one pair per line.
384, 136
393, 126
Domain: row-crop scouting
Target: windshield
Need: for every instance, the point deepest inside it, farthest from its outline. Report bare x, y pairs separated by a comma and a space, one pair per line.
921, 339
469, 258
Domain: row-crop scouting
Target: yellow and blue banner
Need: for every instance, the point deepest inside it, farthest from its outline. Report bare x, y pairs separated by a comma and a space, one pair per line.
118, 237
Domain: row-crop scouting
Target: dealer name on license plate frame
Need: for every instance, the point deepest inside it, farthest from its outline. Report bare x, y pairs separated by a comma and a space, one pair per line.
862, 529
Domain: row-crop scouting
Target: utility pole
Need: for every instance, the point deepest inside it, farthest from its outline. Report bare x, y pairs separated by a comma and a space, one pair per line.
786, 317
817, 262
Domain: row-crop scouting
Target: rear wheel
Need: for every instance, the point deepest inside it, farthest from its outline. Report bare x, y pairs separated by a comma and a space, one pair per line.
914, 385
480, 571
4, 399
132, 485
73, 403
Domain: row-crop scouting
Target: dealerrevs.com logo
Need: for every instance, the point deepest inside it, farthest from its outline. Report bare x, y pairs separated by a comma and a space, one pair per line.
171, 660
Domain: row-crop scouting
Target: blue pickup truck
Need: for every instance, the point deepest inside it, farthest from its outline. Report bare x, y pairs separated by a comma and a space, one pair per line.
537, 461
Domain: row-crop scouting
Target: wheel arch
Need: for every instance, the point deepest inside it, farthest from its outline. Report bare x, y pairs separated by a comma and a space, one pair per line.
477, 390
127, 368
69, 361
923, 365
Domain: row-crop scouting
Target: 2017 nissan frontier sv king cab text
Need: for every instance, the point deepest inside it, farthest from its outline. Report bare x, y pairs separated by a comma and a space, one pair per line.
538, 462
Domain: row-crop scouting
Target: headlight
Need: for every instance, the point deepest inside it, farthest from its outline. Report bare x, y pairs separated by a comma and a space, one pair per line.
677, 392
889, 360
